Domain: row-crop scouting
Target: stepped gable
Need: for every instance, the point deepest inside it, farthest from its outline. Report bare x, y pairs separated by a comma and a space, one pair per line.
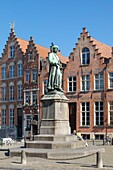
43, 51
12, 38
104, 49
100, 48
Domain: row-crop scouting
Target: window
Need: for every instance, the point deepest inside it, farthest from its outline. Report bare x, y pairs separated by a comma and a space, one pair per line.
11, 117
11, 92
85, 83
3, 117
85, 56
3, 92
3, 72
12, 50
45, 86
27, 75
85, 111
28, 122
34, 97
20, 70
34, 75
27, 98
30, 55
99, 81
110, 113
99, 114
99, 137
110, 80
11, 71
71, 84
19, 92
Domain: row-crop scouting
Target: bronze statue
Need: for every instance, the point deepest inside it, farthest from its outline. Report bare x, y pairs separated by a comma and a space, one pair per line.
55, 70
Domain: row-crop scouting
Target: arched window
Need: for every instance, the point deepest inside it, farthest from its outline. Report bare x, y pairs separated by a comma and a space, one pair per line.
11, 70
11, 116
19, 90
3, 116
11, 91
20, 69
3, 92
3, 71
85, 56
12, 50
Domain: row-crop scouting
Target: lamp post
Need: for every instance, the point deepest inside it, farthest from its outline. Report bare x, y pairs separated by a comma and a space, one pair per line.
38, 122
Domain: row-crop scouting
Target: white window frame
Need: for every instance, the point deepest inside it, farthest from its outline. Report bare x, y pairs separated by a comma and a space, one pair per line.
85, 58
12, 50
110, 80
86, 82
99, 114
3, 72
110, 111
34, 75
3, 92
100, 81
3, 117
86, 112
34, 98
72, 83
20, 70
11, 117
28, 97
11, 71
11, 92
19, 92
27, 75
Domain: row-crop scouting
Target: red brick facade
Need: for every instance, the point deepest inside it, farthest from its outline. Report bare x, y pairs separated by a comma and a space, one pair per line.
30, 60
101, 62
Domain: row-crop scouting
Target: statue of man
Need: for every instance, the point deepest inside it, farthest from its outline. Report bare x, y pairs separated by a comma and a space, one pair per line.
55, 70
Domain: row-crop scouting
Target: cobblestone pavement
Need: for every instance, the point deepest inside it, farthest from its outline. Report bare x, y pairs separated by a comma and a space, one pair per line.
86, 163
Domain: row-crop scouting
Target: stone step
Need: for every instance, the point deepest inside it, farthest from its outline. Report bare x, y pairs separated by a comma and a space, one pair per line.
59, 138
54, 145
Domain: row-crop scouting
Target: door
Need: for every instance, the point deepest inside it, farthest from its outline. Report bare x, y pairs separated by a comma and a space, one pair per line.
72, 116
19, 123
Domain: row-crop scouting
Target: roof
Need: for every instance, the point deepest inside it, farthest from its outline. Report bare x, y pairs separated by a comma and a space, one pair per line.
43, 51
23, 44
104, 49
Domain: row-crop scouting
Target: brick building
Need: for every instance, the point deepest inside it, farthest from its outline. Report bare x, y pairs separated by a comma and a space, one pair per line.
88, 83
23, 81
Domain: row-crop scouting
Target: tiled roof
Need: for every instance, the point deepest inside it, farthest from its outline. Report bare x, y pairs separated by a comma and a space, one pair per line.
43, 51
104, 49
23, 44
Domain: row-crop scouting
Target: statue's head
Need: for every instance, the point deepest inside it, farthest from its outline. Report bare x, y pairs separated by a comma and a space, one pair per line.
54, 48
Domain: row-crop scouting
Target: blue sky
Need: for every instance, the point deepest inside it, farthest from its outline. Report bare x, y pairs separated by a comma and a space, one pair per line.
59, 21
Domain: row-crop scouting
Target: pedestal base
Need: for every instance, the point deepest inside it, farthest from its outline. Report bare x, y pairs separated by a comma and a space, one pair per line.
55, 119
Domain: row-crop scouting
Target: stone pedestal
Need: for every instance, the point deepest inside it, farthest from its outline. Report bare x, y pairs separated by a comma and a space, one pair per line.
55, 130
55, 118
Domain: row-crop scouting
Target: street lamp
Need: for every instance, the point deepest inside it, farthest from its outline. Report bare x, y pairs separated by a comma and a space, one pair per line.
38, 122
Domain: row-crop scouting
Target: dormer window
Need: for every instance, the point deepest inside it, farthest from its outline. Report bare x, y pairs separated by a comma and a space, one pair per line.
12, 50
85, 56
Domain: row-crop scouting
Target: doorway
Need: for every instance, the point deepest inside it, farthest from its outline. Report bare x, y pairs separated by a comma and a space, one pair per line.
19, 123
72, 116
